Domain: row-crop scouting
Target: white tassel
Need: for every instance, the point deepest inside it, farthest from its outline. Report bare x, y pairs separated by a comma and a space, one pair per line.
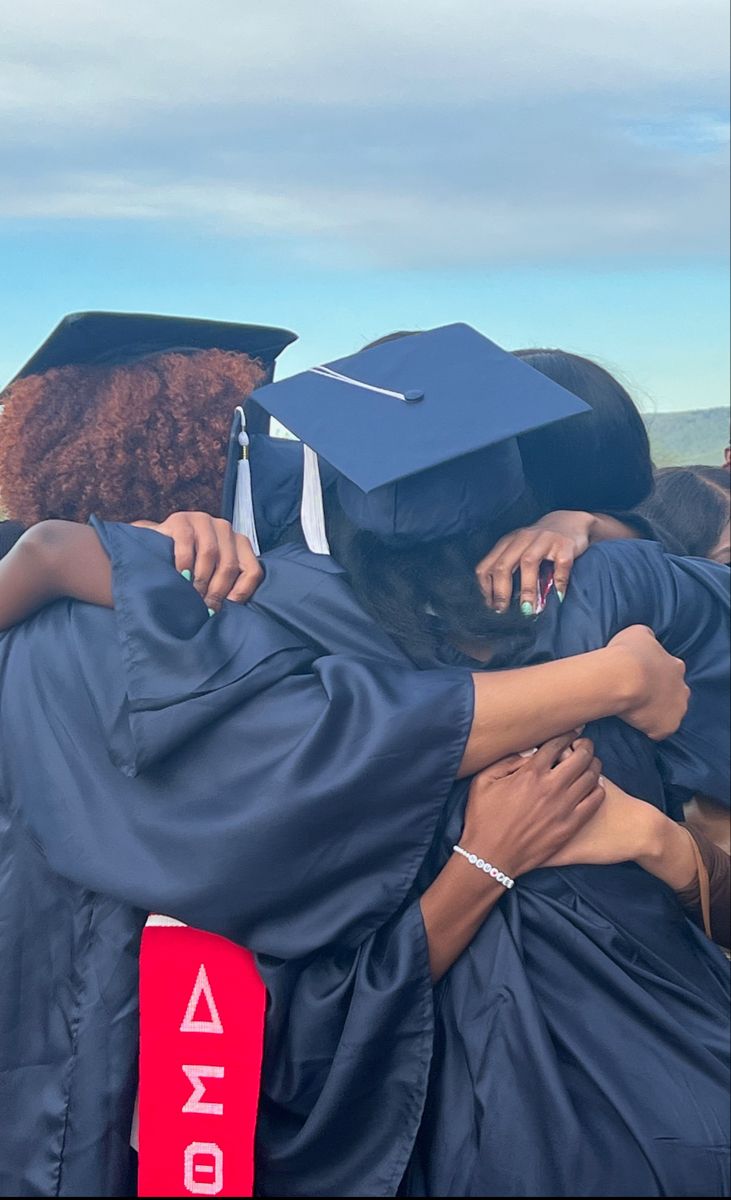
243, 518
312, 510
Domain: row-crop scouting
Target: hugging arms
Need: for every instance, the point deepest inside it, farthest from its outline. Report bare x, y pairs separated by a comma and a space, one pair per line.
524, 812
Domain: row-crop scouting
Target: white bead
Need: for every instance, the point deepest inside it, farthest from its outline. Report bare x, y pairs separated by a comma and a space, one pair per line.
483, 865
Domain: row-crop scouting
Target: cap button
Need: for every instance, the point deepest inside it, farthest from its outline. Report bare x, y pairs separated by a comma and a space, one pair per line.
413, 396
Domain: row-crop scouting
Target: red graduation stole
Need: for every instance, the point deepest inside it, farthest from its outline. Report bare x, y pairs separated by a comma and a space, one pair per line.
201, 1037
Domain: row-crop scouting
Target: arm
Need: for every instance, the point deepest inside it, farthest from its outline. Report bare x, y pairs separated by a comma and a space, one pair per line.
519, 812
56, 559
559, 538
51, 560
632, 678
626, 829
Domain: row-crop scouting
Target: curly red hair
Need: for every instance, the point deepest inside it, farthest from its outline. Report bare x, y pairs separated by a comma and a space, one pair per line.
129, 442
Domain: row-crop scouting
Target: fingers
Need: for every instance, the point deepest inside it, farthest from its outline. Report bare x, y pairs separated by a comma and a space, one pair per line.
576, 765
184, 549
495, 571
525, 550
502, 768
206, 555
562, 564
530, 565
220, 563
484, 579
226, 568
250, 574
546, 547
589, 806
547, 755
584, 784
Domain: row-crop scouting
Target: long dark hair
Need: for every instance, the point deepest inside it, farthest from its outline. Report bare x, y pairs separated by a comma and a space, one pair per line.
427, 596
598, 461
690, 507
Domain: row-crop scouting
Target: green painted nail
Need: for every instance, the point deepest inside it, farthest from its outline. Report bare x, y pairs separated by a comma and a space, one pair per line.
526, 608
186, 574
560, 595
211, 612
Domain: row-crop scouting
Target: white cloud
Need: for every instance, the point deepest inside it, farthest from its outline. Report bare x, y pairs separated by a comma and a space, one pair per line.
84, 58
412, 131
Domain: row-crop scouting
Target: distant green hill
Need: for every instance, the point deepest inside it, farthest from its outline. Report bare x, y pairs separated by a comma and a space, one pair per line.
683, 438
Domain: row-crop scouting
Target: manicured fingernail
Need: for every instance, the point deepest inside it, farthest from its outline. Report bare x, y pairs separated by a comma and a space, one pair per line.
211, 612
561, 595
186, 574
526, 608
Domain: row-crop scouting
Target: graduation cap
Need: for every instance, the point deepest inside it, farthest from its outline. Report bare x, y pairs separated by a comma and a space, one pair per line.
121, 337
421, 432
117, 338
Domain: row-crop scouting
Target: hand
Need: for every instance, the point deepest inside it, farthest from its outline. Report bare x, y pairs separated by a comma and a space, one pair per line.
621, 830
221, 563
658, 695
521, 811
625, 829
559, 537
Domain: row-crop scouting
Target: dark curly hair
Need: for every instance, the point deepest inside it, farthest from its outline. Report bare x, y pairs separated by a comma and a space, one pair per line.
125, 442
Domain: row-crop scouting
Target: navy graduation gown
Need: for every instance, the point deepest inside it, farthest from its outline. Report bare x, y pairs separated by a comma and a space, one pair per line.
282, 776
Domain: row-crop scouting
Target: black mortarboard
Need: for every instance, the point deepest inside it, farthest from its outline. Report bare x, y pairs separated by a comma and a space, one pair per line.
121, 337
421, 430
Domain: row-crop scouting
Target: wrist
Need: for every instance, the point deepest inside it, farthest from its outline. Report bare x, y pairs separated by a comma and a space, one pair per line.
461, 895
498, 854
667, 852
622, 680
650, 828
595, 528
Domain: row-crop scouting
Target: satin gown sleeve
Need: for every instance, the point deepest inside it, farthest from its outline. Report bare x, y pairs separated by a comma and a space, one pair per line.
686, 602
226, 772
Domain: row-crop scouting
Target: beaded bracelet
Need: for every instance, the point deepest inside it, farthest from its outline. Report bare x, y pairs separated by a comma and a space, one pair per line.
482, 865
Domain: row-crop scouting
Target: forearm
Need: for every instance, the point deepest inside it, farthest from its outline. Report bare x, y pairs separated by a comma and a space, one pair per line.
604, 528
516, 710
51, 560
453, 909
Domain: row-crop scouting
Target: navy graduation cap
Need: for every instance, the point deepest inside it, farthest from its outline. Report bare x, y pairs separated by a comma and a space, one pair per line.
420, 431
121, 337
109, 338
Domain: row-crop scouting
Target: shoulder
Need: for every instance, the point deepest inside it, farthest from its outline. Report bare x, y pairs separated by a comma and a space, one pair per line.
621, 578
616, 584
630, 566
614, 558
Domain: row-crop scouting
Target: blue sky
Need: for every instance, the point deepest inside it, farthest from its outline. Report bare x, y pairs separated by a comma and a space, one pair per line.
550, 171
